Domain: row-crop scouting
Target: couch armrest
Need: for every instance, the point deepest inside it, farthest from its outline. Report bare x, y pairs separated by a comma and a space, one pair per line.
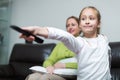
6, 71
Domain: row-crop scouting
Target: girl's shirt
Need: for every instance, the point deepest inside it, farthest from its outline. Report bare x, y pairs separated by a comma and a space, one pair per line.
92, 54
60, 52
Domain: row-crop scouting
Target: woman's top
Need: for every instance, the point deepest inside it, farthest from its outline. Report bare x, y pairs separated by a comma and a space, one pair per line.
60, 52
92, 54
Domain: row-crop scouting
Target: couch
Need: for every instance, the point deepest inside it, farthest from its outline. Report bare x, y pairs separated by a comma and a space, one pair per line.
23, 56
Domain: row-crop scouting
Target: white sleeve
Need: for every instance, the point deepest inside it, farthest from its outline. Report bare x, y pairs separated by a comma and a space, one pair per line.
69, 40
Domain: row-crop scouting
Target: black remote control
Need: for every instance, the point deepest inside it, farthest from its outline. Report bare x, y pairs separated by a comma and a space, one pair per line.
27, 33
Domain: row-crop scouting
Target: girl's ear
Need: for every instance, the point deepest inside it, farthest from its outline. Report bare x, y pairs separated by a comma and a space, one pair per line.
99, 25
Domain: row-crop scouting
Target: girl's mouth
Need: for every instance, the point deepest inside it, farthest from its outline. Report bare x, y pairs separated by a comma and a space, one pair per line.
87, 26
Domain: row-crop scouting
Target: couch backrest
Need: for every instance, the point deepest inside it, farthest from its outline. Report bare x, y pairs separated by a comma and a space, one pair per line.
115, 62
31, 52
24, 56
115, 52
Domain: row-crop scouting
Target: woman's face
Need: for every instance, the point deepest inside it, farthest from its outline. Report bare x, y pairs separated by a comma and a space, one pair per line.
72, 27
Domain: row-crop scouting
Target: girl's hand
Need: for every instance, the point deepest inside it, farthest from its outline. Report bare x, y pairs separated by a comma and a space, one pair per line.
28, 38
50, 69
36, 30
31, 29
59, 65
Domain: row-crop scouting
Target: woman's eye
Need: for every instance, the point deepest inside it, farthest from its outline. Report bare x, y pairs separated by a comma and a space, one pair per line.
82, 18
73, 24
67, 25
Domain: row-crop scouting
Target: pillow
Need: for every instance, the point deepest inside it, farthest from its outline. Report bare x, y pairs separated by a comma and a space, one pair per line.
73, 59
56, 71
38, 69
67, 73
62, 72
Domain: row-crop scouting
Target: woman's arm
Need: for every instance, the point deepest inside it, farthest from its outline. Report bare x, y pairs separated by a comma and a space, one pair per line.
60, 52
72, 65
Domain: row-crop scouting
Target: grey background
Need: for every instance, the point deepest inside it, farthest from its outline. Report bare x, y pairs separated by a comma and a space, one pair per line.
54, 13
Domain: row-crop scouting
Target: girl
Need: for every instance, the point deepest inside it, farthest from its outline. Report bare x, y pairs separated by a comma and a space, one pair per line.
91, 49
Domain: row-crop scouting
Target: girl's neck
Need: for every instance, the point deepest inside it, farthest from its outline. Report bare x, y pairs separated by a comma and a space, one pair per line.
90, 35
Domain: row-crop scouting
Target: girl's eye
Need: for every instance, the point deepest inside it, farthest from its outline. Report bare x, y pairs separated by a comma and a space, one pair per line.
91, 18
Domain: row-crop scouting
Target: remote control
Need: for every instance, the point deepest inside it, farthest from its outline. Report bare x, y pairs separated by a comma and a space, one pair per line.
27, 33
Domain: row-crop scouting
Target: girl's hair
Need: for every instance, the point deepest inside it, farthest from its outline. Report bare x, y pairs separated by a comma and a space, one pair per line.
97, 13
73, 17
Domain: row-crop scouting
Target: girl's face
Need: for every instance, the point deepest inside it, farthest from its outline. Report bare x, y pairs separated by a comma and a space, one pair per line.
72, 27
89, 22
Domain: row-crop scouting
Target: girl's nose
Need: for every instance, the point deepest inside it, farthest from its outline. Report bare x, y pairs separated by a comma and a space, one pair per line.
87, 21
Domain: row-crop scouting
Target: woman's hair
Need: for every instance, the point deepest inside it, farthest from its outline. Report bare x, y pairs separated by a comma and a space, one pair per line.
97, 13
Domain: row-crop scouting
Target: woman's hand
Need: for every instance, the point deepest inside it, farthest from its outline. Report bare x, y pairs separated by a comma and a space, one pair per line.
50, 69
59, 65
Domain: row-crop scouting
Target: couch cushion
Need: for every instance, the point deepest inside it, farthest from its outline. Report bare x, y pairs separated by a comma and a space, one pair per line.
115, 72
6, 71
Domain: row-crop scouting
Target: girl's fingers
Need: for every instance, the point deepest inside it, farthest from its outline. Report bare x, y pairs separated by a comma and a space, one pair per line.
28, 38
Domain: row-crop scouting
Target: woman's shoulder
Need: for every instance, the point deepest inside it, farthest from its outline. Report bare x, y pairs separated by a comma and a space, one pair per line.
60, 44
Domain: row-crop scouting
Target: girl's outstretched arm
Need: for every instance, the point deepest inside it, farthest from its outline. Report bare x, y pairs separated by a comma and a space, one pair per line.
54, 33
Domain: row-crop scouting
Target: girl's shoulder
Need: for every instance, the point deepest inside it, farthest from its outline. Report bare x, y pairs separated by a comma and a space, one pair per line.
103, 37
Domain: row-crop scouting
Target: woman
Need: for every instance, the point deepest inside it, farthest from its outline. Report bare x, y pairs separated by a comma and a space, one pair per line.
60, 52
